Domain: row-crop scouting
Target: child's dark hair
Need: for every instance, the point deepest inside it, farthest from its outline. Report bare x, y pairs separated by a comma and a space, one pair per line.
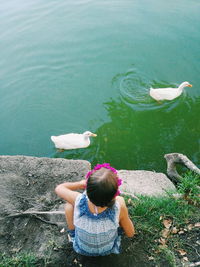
102, 187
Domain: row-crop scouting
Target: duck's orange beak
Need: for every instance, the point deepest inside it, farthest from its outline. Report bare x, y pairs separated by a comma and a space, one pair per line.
189, 85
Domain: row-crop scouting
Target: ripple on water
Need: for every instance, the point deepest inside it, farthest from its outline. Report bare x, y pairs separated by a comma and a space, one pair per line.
134, 90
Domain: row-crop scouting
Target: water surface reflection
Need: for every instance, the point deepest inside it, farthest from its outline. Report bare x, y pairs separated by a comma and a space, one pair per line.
134, 139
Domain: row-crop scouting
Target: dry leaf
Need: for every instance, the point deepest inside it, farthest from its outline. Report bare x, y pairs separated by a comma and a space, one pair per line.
69, 238
151, 258
181, 232
161, 217
167, 223
182, 252
174, 230
185, 258
197, 224
129, 201
190, 226
165, 233
162, 241
62, 230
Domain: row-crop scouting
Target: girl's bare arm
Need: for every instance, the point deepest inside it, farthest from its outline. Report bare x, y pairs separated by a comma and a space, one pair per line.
124, 219
67, 190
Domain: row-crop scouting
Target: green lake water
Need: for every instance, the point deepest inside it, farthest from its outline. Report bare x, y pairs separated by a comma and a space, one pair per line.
71, 66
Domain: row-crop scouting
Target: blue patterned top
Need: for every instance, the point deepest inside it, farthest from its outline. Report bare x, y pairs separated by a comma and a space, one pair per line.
96, 234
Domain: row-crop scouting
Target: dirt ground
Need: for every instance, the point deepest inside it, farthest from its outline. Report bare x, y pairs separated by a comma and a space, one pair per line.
23, 234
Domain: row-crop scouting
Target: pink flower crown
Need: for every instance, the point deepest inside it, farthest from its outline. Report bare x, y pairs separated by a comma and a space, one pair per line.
107, 166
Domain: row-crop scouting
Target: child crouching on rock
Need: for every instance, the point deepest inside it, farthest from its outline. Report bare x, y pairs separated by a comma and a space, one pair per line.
96, 217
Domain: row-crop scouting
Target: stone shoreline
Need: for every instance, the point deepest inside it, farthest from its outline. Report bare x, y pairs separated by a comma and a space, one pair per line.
134, 181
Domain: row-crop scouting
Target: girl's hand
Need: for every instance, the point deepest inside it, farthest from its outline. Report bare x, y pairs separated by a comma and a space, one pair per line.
83, 184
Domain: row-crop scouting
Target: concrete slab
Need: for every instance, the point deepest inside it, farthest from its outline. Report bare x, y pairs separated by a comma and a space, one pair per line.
145, 183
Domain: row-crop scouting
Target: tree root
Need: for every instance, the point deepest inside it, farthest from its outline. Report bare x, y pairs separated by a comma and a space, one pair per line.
174, 158
35, 213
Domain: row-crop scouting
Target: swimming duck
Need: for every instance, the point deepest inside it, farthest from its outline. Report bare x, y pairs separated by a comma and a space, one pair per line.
168, 93
72, 140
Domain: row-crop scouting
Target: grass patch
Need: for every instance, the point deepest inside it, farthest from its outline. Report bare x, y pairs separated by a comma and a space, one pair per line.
169, 256
148, 211
150, 215
18, 260
190, 188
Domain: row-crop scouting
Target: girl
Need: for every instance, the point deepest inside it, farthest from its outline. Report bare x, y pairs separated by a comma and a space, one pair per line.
94, 217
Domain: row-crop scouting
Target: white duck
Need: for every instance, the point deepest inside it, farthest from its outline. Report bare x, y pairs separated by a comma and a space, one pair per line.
72, 140
168, 93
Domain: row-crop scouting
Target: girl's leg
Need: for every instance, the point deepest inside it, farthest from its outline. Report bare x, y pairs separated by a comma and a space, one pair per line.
69, 214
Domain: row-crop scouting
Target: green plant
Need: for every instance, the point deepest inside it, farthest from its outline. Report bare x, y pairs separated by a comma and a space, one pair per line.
158, 221
190, 188
51, 245
147, 211
18, 260
169, 256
